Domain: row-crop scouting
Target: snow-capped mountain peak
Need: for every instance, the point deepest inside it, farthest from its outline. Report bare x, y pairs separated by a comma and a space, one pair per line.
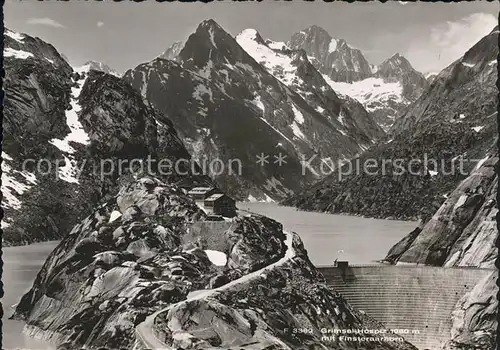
18, 46
394, 66
274, 61
96, 65
334, 57
172, 51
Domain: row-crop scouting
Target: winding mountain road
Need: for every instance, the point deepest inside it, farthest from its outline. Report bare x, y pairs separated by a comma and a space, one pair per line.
144, 331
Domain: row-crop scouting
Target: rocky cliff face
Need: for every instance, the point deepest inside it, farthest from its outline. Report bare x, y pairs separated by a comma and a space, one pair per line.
229, 107
397, 68
37, 89
453, 119
463, 233
69, 121
462, 93
129, 259
333, 57
296, 298
172, 51
463, 229
385, 90
475, 318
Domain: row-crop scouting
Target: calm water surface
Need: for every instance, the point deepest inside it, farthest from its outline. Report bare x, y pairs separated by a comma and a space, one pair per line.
20, 267
327, 236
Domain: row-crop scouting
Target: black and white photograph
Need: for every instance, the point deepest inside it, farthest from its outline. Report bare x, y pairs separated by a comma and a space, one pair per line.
249, 175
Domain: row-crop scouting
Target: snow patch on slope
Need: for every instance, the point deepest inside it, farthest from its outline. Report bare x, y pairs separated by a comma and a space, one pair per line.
16, 36
280, 65
296, 130
332, 46
201, 90
372, 93
217, 258
68, 172
258, 102
77, 133
19, 54
12, 187
299, 117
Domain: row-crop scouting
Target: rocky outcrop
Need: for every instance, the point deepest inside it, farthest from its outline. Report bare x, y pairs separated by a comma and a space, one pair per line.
77, 125
462, 231
452, 120
126, 259
129, 259
385, 90
333, 57
228, 108
475, 318
287, 307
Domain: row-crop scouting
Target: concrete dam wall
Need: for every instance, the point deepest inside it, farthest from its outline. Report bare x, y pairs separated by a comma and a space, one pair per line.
419, 299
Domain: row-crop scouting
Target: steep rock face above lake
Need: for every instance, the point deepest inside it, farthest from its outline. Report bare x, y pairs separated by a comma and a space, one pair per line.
462, 233
455, 118
230, 106
77, 125
463, 229
130, 259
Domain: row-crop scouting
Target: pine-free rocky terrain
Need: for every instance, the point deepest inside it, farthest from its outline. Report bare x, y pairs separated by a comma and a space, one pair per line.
134, 269
452, 125
129, 259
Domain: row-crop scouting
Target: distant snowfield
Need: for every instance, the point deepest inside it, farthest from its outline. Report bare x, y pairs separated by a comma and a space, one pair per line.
280, 65
368, 91
267, 199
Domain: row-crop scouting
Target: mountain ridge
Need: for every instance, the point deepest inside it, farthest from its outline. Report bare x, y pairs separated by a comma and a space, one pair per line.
216, 71
384, 90
453, 118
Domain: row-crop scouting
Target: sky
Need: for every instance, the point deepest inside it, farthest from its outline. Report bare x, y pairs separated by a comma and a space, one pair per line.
123, 35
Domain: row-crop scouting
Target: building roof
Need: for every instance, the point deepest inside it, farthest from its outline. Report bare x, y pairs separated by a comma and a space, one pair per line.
200, 190
214, 197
